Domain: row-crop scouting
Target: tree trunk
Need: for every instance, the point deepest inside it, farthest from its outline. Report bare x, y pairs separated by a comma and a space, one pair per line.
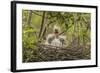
42, 23
75, 29
30, 17
29, 21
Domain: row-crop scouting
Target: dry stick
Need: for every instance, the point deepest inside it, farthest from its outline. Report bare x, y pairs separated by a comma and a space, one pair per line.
50, 47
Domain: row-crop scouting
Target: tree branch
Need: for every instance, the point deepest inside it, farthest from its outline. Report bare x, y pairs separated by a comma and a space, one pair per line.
40, 15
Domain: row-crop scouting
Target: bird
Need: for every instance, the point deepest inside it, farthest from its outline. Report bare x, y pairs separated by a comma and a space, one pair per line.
54, 39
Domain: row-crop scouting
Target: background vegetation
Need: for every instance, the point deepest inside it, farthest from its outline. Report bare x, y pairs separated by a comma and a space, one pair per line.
37, 25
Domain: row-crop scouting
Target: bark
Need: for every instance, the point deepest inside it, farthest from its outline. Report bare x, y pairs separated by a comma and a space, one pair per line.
42, 23
45, 29
29, 21
29, 18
